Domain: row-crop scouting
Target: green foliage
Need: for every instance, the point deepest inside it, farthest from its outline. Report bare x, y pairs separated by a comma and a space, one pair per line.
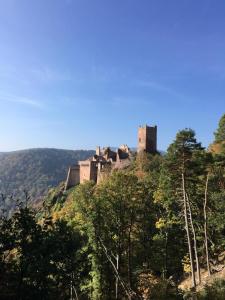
34, 170
220, 133
39, 262
215, 291
164, 290
179, 159
116, 215
126, 232
212, 291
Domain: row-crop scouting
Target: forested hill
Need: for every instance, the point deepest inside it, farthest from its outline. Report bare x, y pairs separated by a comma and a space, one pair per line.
35, 170
154, 230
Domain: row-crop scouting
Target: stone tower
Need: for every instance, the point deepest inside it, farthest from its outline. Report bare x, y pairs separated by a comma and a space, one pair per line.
147, 139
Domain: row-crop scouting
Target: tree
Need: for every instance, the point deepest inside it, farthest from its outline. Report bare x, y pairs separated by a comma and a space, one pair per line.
220, 132
206, 223
118, 218
38, 262
177, 185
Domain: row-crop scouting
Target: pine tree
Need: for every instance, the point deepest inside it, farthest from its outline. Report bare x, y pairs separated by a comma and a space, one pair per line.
176, 187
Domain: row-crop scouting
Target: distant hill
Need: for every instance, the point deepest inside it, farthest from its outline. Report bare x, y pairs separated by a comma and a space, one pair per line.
34, 170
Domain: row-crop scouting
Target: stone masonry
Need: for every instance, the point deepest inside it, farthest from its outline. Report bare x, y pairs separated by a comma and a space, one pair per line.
105, 160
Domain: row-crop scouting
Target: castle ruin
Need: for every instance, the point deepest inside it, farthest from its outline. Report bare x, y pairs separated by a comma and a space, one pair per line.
105, 160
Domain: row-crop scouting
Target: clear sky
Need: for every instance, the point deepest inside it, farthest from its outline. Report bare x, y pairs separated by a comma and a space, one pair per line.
78, 73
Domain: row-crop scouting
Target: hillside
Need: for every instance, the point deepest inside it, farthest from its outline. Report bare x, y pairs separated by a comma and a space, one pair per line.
131, 236
35, 170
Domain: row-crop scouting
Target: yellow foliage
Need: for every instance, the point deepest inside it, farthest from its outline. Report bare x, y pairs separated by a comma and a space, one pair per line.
186, 264
161, 223
158, 196
217, 147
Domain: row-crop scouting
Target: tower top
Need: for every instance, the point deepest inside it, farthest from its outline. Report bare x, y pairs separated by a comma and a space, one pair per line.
146, 125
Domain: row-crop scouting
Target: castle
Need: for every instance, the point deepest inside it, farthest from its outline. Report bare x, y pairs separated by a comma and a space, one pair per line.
105, 160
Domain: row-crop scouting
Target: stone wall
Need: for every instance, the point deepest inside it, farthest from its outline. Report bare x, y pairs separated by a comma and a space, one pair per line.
88, 171
99, 166
84, 171
73, 177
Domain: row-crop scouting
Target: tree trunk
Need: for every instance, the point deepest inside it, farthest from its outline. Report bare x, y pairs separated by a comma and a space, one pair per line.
165, 257
206, 225
195, 241
129, 292
188, 233
117, 279
129, 261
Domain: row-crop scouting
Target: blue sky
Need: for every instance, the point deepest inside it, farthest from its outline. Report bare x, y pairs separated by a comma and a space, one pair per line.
78, 73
